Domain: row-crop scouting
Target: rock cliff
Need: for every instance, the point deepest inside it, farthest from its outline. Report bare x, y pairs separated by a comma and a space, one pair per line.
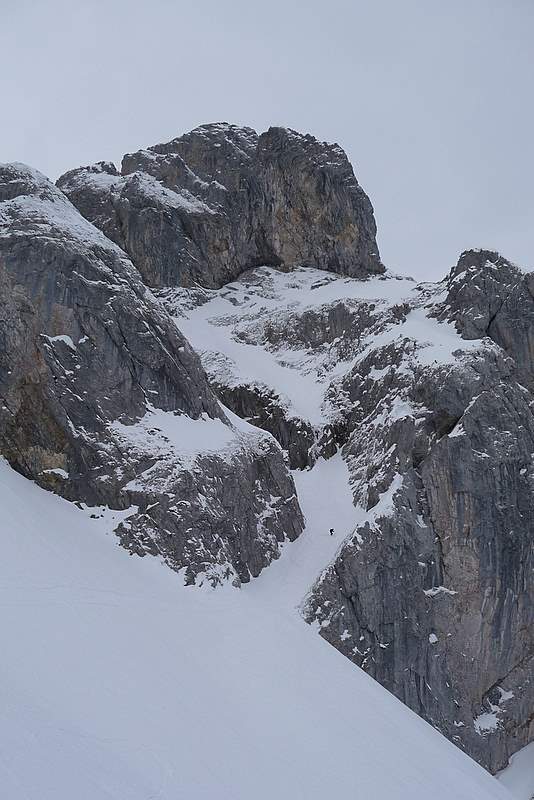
261, 252
425, 389
104, 401
433, 595
215, 202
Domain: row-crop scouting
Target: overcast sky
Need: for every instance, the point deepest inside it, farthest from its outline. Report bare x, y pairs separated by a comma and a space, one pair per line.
432, 100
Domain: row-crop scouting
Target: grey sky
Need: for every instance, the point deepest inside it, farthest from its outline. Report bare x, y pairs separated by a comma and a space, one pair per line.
431, 100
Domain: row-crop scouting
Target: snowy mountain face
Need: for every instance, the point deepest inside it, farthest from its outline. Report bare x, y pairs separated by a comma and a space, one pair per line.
119, 683
280, 418
105, 402
432, 591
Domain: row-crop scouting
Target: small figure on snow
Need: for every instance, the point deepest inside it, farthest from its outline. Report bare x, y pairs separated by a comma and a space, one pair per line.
331, 531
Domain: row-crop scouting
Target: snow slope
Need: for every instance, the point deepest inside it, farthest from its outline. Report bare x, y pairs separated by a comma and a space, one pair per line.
118, 683
229, 328
518, 777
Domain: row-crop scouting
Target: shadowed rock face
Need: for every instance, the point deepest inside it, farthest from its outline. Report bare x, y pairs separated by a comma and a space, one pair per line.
434, 599
104, 401
215, 202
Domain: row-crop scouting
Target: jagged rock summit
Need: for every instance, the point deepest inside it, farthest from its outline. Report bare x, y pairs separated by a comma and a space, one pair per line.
210, 204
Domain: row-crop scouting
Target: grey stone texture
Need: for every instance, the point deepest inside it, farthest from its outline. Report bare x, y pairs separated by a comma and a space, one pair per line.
93, 372
215, 202
433, 593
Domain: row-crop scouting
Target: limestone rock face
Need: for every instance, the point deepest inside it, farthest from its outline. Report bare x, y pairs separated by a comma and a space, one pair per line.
432, 593
489, 296
261, 252
476, 289
219, 200
104, 401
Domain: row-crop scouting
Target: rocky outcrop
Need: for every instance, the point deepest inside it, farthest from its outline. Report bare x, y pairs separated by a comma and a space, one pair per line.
433, 594
219, 200
104, 401
265, 409
476, 288
271, 350
489, 296
427, 389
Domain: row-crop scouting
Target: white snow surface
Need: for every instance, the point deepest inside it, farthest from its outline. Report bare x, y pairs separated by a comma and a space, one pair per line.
186, 437
49, 211
183, 200
175, 442
518, 777
119, 683
177, 435
227, 329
